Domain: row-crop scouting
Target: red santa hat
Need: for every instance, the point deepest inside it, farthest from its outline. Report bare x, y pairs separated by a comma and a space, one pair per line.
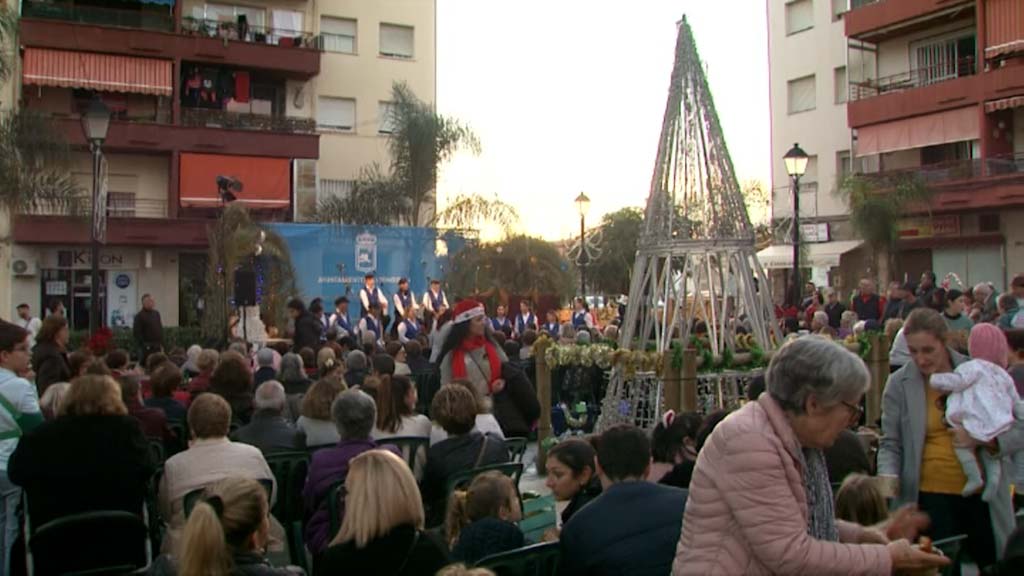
466, 310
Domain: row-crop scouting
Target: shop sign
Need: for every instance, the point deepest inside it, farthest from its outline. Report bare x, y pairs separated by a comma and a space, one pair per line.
81, 258
818, 232
944, 225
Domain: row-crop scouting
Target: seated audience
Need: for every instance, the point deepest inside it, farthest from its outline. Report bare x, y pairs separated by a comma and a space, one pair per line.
354, 414
355, 368
481, 518
232, 380
210, 457
414, 358
647, 517
455, 409
326, 353
674, 447
79, 362
164, 383
293, 376
53, 399
309, 362
58, 463
206, 363
382, 532
265, 370
316, 422
787, 524
152, 421
527, 341
484, 423
116, 361
383, 365
396, 410
860, 500
397, 351
269, 430
333, 370
572, 475
190, 368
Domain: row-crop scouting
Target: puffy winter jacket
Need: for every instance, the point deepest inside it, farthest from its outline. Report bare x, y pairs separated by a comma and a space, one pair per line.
747, 512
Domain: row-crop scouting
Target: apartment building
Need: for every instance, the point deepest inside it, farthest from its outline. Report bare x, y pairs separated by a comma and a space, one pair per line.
809, 92
287, 96
940, 98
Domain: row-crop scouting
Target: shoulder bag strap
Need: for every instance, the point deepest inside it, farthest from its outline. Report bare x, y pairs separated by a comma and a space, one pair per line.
480, 456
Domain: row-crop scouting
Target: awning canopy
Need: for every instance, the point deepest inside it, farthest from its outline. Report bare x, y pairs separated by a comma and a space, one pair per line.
266, 182
1004, 104
819, 255
69, 69
928, 130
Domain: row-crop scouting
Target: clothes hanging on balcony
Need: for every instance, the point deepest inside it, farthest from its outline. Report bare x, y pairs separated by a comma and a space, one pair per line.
241, 87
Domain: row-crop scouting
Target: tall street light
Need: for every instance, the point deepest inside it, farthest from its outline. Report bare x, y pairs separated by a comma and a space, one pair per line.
95, 122
583, 204
796, 165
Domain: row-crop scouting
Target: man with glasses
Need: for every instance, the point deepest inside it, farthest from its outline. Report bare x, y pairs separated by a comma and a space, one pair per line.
19, 413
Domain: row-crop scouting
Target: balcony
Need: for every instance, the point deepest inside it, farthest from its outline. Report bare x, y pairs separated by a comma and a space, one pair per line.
876, 20
912, 79
248, 33
148, 19
202, 117
119, 205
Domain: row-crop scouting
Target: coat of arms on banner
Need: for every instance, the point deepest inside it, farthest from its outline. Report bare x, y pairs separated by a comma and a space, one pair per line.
366, 252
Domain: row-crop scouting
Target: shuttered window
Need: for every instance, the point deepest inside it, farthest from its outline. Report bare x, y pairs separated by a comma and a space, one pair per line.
800, 94
842, 89
396, 41
386, 117
336, 113
338, 34
799, 16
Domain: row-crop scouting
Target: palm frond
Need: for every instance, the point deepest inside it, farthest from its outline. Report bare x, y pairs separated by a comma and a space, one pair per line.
35, 166
375, 200
8, 41
472, 210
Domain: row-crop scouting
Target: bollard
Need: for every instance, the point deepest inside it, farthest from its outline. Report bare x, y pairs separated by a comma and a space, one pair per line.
688, 381
544, 398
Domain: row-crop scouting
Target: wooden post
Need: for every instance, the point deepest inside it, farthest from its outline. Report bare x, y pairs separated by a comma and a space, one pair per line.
878, 366
671, 383
544, 398
688, 381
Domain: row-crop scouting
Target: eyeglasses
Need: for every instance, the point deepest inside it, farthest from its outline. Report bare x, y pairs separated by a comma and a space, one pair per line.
855, 410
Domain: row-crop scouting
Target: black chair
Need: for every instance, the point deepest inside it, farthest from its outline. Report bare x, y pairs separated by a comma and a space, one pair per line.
536, 560
516, 448
180, 431
427, 384
192, 498
513, 470
951, 547
411, 447
156, 452
289, 469
334, 496
98, 542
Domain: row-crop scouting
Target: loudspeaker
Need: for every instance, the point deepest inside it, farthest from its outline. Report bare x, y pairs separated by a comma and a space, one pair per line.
245, 288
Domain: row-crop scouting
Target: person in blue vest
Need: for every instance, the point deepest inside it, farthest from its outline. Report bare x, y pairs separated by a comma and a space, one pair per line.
551, 326
339, 320
372, 322
525, 320
370, 294
867, 304
435, 300
408, 328
404, 300
500, 322
581, 316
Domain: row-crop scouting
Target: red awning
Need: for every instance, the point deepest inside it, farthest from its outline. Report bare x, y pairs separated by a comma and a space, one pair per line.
1004, 104
940, 128
68, 69
266, 182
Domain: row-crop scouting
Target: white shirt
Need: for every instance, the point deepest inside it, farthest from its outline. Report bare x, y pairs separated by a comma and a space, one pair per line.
427, 303
364, 297
22, 395
398, 303
32, 325
417, 426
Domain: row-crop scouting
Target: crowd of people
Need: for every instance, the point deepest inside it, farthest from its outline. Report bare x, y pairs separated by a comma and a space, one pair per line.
785, 484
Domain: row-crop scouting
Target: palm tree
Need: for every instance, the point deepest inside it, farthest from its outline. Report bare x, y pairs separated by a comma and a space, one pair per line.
232, 240
518, 265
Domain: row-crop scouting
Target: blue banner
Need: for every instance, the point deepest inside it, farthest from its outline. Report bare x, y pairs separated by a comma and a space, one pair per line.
331, 260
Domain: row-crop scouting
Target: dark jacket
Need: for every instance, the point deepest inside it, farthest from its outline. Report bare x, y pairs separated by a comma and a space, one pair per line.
835, 314
246, 564
148, 329
451, 455
583, 497
870, 308
50, 364
172, 409
80, 463
401, 552
420, 365
307, 332
631, 529
270, 432
680, 475
485, 537
892, 309
354, 378
846, 456
264, 374
516, 407
152, 422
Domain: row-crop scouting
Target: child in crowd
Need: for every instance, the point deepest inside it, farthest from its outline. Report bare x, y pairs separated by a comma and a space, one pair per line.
480, 519
860, 500
983, 401
674, 448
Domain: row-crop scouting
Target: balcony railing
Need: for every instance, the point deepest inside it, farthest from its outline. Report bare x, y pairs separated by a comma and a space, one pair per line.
119, 205
146, 19
958, 171
202, 117
854, 4
248, 33
913, 78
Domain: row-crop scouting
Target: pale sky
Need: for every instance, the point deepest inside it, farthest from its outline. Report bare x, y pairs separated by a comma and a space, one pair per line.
568, 95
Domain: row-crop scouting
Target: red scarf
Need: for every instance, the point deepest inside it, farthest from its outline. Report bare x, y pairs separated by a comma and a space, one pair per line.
474, 343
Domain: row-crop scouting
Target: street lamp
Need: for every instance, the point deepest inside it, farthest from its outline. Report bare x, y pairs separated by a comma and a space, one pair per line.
796, 165
95, 122
583, 204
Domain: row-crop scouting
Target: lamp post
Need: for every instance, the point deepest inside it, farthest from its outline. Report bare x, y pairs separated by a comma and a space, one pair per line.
95, 122
583, 204
796, 165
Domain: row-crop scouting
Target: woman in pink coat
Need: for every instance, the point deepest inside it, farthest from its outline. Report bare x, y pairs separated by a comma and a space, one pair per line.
760, 500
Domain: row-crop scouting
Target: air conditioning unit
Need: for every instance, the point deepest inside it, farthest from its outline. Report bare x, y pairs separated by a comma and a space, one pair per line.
24, 267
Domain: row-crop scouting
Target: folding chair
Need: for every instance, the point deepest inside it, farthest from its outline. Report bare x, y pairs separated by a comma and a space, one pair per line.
535, 560
412, 448
101, 541
516, 448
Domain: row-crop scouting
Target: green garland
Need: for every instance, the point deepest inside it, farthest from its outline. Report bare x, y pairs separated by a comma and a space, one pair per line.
864, 343
677, 357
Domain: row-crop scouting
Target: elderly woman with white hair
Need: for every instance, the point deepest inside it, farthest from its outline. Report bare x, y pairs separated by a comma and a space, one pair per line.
820, 325
269, 430
846, 323
760, 500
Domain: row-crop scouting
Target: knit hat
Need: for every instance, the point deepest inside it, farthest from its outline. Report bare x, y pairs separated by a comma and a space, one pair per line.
987, 342
466, 310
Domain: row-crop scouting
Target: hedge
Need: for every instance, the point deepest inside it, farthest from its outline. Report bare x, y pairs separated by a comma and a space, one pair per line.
174, 337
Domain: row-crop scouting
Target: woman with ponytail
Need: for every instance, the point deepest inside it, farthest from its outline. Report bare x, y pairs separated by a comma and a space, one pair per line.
480, 519
226, 533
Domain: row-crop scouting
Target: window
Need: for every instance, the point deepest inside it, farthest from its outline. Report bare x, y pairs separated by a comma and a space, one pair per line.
843, 166
939, 60
338, 35
336, 113
329, 189
839, 7
842, 89
801, 94
121, 204
396, 41
255, 17
799, 16
386, 118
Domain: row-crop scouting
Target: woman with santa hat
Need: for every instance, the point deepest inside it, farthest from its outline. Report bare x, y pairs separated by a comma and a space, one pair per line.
470, 353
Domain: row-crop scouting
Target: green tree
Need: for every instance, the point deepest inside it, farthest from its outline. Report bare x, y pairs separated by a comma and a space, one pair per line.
611, 271
517, 265
471, 210
374, 200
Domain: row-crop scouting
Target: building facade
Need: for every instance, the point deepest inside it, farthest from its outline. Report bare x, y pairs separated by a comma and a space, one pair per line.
282, 95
